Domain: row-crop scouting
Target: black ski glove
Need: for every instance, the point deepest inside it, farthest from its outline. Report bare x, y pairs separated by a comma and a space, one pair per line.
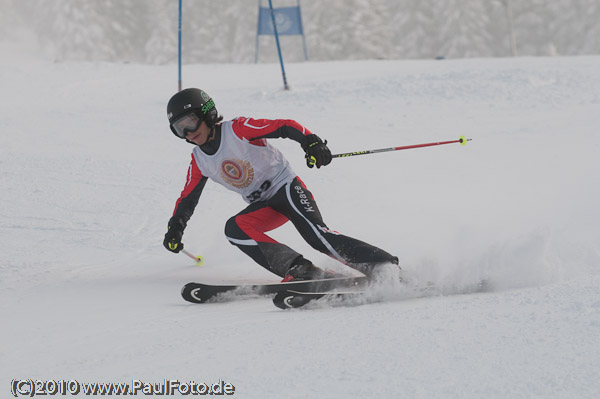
316, 151
173, 237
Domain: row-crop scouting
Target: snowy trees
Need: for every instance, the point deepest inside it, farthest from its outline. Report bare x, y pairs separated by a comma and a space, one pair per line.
348, 29
89, 30
224, 30
161, 44
576, 28
413, 25
462, 29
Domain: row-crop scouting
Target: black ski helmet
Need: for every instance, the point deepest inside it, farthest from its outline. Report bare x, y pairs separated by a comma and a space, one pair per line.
192, 100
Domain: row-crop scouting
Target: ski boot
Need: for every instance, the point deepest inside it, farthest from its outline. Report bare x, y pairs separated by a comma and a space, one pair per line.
303, 269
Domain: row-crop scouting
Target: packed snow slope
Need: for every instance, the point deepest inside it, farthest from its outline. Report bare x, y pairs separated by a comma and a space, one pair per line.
90, 173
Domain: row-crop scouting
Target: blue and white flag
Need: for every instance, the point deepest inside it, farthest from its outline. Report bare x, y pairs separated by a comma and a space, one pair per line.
288, 21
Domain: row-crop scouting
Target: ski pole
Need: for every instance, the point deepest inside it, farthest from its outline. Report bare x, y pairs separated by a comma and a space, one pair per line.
462, 140
199, 260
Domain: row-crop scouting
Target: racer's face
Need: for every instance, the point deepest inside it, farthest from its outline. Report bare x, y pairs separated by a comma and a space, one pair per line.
200, 135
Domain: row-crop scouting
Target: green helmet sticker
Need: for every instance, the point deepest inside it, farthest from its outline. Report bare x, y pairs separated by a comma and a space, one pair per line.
208, 106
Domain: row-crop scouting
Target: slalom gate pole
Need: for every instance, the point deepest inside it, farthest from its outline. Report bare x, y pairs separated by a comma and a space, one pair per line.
198, 259
285, 83
462, 140
179, 44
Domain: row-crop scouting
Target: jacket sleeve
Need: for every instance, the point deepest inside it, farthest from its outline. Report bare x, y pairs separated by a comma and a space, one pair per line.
184, 208
257, 130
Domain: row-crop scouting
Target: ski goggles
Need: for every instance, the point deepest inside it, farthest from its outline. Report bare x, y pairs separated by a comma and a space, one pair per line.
186, 124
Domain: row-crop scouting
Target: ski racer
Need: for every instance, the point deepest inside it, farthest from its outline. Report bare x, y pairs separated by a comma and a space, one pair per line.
237, 155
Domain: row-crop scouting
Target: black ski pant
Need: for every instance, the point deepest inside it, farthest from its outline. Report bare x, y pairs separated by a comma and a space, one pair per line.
294, 202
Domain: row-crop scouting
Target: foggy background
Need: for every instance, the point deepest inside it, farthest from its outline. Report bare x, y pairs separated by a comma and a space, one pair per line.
224, 31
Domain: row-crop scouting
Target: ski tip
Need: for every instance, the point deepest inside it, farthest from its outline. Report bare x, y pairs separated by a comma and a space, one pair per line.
463, 140
288, 299
190, 292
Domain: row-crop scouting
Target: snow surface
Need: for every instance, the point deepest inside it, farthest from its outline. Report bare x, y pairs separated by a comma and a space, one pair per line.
90, 173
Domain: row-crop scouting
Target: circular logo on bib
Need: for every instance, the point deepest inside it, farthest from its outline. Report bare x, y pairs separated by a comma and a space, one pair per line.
237, 173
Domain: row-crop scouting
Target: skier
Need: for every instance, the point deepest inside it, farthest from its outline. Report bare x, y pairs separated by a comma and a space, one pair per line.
237, 155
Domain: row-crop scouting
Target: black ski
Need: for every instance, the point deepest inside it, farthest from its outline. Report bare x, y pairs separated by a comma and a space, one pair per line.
200, 293
291, 299
297, 297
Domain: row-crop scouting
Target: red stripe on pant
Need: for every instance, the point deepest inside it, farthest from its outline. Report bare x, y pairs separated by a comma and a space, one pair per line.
256, 223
